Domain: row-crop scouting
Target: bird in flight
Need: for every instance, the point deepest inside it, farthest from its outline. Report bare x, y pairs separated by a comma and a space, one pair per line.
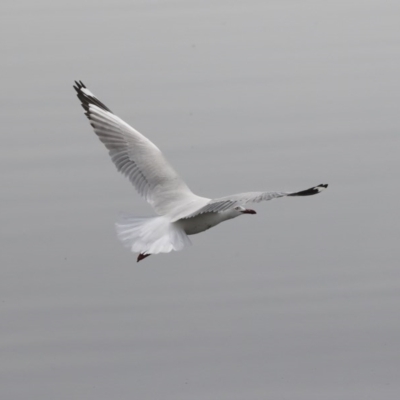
180, 212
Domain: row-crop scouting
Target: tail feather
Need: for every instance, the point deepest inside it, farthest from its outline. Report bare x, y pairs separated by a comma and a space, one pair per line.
151, 235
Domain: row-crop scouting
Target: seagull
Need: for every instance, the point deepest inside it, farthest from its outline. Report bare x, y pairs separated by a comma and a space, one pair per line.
180, 212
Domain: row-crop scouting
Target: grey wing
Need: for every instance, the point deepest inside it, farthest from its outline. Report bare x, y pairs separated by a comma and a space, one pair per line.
137, 157
241, 199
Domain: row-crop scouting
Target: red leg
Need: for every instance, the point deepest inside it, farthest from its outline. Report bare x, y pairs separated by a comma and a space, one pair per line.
142, 256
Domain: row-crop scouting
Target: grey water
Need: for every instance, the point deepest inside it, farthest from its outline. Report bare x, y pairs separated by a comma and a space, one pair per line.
300, 301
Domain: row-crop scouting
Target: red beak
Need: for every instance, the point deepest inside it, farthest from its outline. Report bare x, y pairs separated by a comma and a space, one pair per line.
247, 211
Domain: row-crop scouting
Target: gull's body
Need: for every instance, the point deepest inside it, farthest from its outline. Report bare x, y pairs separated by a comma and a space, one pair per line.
179, 211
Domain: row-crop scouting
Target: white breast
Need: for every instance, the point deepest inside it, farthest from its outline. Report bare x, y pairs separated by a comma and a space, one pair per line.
202, 222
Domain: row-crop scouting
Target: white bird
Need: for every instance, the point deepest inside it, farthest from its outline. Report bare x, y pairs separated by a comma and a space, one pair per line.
179, 211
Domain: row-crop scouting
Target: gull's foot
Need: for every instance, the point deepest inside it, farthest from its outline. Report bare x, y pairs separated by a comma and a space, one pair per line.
142, 256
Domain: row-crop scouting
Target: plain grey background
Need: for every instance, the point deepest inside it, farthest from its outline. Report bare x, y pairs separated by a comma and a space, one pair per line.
300, 301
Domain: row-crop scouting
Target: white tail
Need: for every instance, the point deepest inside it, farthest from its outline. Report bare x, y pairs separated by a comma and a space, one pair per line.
151, 235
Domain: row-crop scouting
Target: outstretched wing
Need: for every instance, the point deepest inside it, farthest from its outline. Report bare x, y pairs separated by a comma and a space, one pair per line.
241, 199
138, 158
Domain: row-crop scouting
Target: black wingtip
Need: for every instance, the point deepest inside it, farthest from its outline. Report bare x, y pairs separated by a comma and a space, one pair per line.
87, 98
311, 191
78, 86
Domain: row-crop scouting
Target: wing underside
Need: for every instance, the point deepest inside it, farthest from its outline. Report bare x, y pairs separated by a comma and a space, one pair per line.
241, 199
138, 158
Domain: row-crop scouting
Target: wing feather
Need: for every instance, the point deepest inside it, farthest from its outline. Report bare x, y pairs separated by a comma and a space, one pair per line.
139, 159
241, 199
142, 162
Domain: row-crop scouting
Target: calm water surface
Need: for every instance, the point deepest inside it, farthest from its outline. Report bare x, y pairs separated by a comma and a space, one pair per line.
299, 302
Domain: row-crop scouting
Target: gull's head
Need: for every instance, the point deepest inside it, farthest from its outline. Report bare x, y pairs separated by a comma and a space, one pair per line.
241, 210
235, 212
